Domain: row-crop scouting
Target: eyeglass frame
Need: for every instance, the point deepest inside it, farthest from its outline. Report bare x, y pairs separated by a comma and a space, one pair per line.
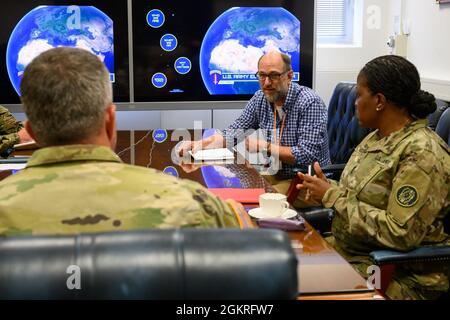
277, 76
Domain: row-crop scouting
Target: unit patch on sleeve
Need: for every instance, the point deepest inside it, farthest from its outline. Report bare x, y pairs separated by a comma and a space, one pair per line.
407, 196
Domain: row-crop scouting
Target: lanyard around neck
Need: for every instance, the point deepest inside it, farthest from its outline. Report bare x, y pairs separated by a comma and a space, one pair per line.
276, 139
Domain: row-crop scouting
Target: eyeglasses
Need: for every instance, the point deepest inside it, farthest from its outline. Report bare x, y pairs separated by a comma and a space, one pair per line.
274, 76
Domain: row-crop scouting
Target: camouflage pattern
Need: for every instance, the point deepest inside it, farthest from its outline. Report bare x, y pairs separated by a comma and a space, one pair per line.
86, 188
394, 194
9, 127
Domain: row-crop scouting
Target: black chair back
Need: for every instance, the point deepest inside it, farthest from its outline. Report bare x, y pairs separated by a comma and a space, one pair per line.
155, 264
443, 126
433, 118
344, 132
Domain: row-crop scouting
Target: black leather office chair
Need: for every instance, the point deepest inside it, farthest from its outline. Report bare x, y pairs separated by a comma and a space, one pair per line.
344, 132
387, 260
152, 264
433, 118
443, 126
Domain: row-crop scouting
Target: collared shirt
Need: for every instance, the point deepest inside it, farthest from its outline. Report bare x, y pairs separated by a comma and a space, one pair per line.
87, 188
305, 129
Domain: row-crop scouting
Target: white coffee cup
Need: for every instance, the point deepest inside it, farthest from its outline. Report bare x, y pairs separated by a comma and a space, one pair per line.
273, 205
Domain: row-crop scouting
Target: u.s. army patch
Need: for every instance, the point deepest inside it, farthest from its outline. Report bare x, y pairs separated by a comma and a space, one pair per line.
407, 196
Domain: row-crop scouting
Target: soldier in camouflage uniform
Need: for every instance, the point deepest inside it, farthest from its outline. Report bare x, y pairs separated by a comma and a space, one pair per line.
395, 190
9, 129
75, 183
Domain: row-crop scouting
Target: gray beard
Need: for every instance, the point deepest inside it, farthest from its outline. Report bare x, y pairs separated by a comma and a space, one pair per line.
277, 96
271, 98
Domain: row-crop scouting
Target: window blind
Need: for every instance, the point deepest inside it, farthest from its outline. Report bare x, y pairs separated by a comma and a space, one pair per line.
331, 18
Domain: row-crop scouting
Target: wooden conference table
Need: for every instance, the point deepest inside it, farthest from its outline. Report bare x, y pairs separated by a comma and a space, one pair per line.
323, 273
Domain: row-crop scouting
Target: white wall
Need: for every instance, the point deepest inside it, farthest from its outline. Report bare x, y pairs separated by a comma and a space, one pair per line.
334, 64
429, 43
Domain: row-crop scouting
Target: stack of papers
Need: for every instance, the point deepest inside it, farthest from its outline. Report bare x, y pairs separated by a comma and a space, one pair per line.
212, 155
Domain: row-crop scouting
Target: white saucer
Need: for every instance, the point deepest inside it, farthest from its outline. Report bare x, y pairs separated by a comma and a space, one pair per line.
259, 214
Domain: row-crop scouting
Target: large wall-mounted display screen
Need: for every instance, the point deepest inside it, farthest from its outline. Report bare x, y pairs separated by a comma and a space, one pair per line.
207, 50
30, 27
174, 50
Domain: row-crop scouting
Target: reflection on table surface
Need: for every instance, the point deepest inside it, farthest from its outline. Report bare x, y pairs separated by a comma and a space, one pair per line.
322, 271
140, 148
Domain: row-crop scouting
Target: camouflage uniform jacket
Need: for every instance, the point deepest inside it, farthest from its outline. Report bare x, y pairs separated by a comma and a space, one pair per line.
86, 188
394, 194
9, 127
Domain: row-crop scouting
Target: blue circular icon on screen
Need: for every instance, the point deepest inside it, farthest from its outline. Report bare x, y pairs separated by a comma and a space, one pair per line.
183, 65
155, 18
172, 171
159, 80
168, 42
159, 135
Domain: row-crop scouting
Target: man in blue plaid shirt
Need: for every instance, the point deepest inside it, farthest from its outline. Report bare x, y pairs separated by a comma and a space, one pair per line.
293, 118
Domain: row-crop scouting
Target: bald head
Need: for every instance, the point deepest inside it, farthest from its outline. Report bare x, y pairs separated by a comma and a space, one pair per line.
276, 59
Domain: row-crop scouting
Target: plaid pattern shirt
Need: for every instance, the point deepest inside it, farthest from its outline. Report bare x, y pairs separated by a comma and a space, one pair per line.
305, 129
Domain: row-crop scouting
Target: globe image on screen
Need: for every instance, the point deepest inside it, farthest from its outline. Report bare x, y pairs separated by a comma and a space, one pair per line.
238, 38
47, 27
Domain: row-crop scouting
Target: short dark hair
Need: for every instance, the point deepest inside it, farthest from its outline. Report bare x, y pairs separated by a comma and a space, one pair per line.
65, 92
399, 81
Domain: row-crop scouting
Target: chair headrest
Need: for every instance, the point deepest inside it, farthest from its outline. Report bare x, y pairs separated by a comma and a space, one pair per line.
344, 132
152, 264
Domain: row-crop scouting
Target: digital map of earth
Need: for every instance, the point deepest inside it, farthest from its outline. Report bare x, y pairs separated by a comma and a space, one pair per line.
235, 41
47, 27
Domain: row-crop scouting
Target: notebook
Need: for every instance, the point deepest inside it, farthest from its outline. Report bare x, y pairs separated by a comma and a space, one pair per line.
212, 154
26, 145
